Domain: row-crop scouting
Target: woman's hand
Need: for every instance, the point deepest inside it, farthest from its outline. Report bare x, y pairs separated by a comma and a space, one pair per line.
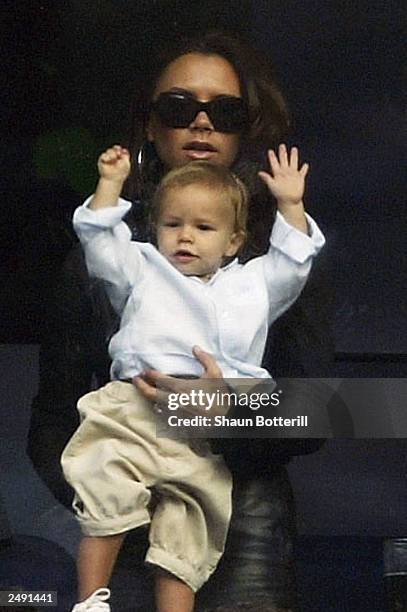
286, 182
203, 392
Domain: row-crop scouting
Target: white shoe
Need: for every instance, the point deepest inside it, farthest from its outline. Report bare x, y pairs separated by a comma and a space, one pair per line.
95, 602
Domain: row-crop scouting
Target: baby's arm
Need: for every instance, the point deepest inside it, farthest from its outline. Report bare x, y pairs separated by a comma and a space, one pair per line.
114, 168
106, 239
287, 182
295, 238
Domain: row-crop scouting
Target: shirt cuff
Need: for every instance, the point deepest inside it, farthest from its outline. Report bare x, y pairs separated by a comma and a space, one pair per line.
294, 243
102, 218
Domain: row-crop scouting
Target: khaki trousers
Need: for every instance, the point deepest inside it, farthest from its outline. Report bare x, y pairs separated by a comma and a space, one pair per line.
125, 477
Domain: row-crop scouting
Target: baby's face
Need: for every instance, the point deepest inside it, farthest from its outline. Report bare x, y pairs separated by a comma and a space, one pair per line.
195, 230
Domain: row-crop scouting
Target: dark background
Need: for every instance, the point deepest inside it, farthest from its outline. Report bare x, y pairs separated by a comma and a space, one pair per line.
71, 68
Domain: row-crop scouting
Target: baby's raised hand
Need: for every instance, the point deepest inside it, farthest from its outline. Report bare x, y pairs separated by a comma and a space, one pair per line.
114, 164
286, 181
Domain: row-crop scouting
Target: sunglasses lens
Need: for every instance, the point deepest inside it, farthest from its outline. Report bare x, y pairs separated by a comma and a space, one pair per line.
175, 111
227, 113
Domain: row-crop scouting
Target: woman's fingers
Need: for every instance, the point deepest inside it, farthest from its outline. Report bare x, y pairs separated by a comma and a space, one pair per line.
158, 397
212, 370
164, 382
148, 390
198, 394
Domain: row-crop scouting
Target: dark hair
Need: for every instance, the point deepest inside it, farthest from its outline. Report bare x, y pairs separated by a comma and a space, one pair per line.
268, 114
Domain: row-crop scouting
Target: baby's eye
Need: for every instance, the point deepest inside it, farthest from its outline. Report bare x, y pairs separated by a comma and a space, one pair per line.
170, 224
205, 227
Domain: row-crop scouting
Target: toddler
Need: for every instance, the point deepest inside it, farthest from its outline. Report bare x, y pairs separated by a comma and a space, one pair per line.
188, 290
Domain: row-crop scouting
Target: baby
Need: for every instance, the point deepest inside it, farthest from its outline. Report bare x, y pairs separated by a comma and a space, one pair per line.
188, 290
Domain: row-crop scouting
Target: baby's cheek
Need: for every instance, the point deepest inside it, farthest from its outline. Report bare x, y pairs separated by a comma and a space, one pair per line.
162, 242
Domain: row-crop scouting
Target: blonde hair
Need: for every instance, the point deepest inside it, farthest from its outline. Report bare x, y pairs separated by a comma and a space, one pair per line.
212, 176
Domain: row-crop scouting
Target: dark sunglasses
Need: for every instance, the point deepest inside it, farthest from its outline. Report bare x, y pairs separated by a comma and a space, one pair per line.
178, 110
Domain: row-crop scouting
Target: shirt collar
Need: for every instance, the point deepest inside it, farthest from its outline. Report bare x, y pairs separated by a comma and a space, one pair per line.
231, 264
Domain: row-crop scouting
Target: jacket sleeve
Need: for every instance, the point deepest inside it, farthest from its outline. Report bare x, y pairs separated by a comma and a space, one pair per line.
73, 359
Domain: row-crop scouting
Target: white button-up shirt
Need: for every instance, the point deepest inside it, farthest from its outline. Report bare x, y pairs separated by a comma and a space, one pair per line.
164, 314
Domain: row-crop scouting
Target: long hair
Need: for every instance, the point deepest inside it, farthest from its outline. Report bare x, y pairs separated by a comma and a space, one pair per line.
268, 123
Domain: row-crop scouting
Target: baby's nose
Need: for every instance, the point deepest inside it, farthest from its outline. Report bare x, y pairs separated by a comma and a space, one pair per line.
185, 235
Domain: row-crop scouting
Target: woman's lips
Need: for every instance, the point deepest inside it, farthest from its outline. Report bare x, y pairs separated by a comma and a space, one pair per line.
199, 149
191, 154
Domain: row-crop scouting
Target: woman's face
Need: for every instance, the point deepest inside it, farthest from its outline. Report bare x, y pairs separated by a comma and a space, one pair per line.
204, 77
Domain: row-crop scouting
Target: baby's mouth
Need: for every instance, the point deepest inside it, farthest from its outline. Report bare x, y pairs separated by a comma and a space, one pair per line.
184, 255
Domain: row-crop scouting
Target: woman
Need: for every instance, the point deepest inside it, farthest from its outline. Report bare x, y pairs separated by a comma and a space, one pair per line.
210, 98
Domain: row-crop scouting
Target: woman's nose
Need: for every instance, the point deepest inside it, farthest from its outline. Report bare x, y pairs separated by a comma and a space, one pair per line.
201, 122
